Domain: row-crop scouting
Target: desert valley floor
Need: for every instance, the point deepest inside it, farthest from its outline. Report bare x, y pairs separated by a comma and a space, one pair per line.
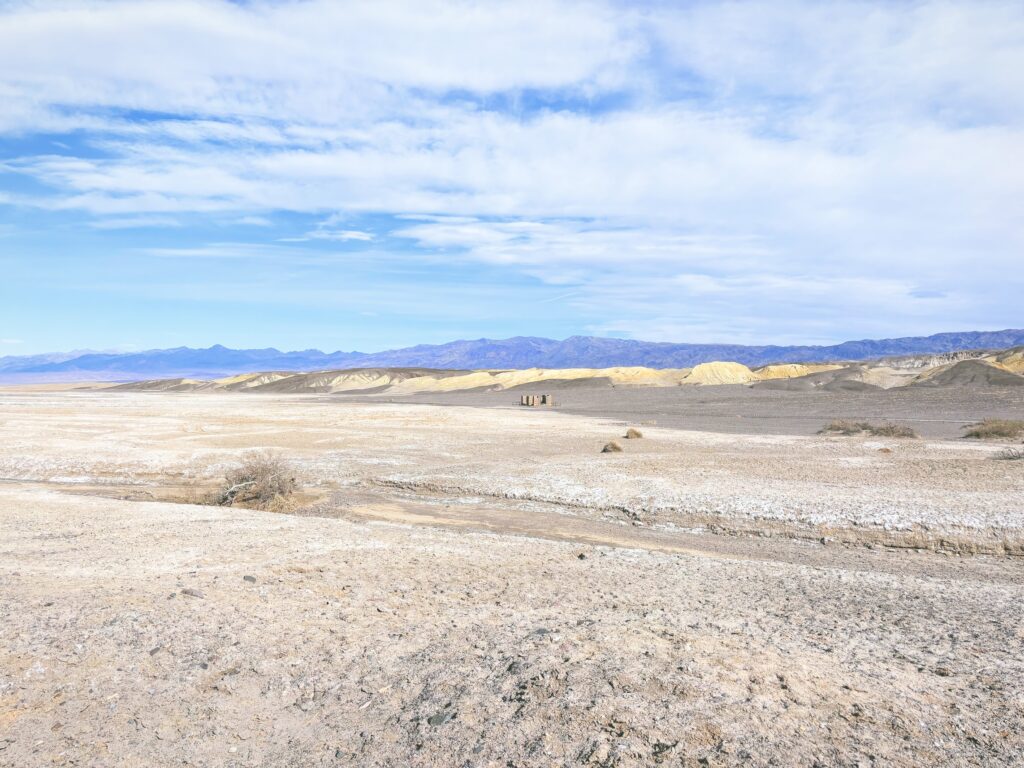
463, 582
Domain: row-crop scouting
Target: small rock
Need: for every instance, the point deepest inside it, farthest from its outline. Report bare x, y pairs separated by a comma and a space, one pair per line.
442, 717
192, 592
250, 579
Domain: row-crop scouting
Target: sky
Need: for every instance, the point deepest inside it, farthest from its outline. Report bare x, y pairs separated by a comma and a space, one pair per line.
370, 175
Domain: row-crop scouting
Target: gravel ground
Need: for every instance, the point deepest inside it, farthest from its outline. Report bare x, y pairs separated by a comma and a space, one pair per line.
597, 623
158, 634
738, 409
925, 491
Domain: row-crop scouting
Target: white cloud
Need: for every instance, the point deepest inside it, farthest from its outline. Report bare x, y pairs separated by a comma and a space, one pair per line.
736, 153
341, 235
954, 62
322, 61
135, 222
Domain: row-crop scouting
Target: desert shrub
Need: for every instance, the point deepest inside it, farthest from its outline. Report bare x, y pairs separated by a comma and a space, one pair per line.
1010, 454
846, 427
262, 480
612, 447
995, 429
891, 430
633, 434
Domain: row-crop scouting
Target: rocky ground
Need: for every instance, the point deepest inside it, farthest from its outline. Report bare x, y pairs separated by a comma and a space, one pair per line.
939, 412
475, 587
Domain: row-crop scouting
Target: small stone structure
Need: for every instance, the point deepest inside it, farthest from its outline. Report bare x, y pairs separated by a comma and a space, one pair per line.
535, 400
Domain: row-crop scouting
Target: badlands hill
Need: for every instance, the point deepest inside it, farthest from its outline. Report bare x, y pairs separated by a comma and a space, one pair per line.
518, 353
1000, 369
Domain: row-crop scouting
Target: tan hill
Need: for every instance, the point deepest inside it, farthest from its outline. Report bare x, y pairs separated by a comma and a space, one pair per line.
416, 380
622, 376
979, 369
251, 380
360, 380
969, 373
793, 370
168, 385
720, 373
1010, 359
856, 377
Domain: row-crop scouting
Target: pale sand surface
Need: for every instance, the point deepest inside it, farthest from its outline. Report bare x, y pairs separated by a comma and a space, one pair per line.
431, 607
672, 476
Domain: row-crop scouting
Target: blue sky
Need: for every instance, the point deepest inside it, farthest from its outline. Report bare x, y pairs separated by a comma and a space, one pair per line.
367, 175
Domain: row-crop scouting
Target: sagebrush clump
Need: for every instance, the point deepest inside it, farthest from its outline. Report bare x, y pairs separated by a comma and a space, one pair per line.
892, 430
995, 429
846, 427
263, 480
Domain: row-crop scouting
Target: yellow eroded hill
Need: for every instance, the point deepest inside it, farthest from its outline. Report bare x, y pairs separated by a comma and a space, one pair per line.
621, 376
250, 380
1011, 359
720, 373
793, 370
405, 381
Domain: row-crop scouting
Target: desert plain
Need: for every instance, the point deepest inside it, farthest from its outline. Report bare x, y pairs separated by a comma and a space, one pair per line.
460, 581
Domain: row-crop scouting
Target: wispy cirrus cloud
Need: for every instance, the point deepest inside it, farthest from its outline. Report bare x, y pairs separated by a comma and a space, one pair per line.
676, 161
135, 222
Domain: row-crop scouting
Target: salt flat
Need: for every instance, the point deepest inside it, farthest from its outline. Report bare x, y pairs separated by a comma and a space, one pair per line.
479, 586
145, 441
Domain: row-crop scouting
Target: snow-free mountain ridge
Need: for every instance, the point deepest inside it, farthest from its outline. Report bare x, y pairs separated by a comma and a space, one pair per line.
516, 352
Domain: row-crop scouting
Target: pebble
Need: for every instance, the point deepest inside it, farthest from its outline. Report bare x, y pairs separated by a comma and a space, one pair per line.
442, 717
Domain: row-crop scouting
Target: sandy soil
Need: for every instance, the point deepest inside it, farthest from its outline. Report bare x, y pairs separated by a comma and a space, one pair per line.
482, 587
918, 492
935, 413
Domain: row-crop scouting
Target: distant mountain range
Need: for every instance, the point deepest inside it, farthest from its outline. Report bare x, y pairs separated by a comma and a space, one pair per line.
517, 352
